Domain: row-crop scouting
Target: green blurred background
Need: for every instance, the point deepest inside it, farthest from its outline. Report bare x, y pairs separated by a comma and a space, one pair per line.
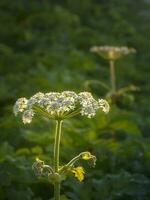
44, 46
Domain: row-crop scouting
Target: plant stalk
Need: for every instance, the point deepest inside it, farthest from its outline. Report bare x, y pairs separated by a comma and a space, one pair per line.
112, 76
56, 158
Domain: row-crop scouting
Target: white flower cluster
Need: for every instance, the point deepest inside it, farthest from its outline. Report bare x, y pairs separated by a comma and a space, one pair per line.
57, 105
112, 52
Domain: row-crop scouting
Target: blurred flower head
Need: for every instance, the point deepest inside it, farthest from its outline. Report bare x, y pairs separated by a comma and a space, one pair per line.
55, 105
112, 52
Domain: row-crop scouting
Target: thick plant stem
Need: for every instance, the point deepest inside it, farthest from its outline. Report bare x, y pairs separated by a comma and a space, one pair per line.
57, 191
56, 158
112, 76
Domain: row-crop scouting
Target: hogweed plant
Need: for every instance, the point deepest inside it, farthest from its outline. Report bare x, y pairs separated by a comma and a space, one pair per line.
60, 106
112, 53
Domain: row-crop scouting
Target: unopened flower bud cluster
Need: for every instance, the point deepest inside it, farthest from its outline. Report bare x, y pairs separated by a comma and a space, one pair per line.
59, 105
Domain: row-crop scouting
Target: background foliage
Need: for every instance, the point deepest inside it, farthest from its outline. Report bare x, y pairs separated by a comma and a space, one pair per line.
44, 45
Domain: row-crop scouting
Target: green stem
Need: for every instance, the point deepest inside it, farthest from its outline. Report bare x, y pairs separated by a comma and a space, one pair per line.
41, 111
70, 164
57, 191
56, 157
73, 160
72, 114
112, 76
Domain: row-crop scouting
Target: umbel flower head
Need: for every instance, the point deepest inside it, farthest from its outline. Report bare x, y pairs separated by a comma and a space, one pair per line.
112, 52
59, 105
